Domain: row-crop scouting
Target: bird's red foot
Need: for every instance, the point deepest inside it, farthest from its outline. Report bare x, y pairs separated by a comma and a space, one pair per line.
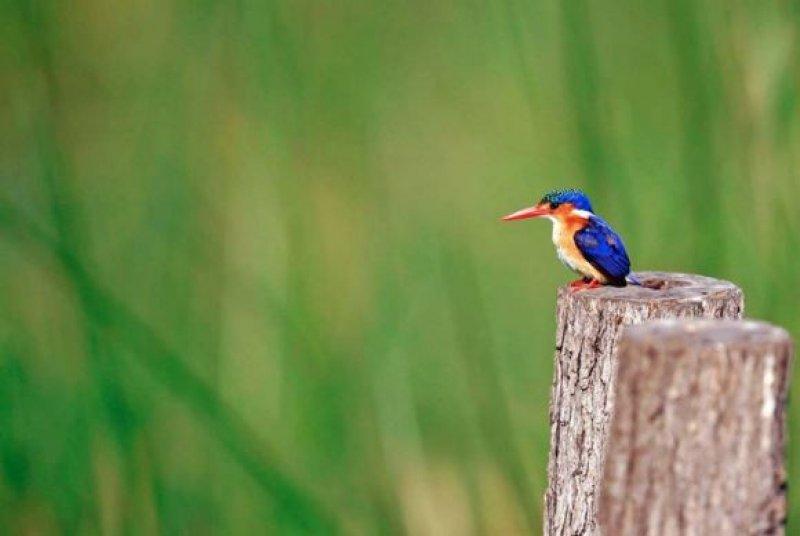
584, 284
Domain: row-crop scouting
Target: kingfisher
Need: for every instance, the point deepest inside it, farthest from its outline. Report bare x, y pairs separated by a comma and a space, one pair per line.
585, 243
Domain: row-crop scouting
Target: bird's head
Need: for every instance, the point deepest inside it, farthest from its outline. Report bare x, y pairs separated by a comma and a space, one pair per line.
555, 204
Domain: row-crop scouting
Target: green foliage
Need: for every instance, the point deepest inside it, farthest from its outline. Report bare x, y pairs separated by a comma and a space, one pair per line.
251, 274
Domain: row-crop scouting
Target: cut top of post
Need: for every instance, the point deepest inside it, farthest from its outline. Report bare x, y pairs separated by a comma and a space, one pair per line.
659, 287
671, 333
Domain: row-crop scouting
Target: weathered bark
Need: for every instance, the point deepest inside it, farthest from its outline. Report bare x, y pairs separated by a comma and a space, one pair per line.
696, 444
589, 326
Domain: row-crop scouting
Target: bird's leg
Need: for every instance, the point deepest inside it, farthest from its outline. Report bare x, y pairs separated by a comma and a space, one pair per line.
579, 284
584, 284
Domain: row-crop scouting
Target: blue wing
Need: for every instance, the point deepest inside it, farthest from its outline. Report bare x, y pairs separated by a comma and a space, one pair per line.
603, 248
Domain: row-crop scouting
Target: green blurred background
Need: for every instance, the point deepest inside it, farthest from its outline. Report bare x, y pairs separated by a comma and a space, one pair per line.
252, 277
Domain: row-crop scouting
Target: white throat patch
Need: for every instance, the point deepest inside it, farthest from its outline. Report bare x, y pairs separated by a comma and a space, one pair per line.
581, 213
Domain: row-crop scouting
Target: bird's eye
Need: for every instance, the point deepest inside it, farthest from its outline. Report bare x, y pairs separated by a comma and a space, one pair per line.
554, 205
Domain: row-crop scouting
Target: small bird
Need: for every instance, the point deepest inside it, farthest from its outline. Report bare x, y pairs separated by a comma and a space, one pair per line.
585, 243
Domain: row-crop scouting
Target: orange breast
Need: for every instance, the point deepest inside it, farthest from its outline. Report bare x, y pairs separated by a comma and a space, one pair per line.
564, 228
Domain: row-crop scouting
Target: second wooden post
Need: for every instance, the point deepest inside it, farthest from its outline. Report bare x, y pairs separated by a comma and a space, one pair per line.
697, 442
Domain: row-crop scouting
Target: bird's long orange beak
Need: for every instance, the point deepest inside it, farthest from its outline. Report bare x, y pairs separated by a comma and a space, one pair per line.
530, 212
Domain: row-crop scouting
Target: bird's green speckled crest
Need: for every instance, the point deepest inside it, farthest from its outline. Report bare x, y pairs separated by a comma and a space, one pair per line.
568, 195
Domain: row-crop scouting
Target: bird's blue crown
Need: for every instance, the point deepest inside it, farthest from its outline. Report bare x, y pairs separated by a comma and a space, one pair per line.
577, 198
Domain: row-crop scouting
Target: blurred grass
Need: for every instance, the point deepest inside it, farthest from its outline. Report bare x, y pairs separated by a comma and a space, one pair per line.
252, 276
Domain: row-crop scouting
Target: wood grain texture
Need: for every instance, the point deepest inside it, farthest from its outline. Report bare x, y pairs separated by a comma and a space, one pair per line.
589, 325
697, 440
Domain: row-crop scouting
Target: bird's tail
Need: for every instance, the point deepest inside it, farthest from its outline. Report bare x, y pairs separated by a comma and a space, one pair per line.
632, 280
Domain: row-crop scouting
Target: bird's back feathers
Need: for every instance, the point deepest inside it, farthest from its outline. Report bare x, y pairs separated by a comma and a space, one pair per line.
604, 250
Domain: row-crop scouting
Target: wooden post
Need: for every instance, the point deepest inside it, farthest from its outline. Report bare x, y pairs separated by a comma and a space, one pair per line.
589, 326
697, 440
